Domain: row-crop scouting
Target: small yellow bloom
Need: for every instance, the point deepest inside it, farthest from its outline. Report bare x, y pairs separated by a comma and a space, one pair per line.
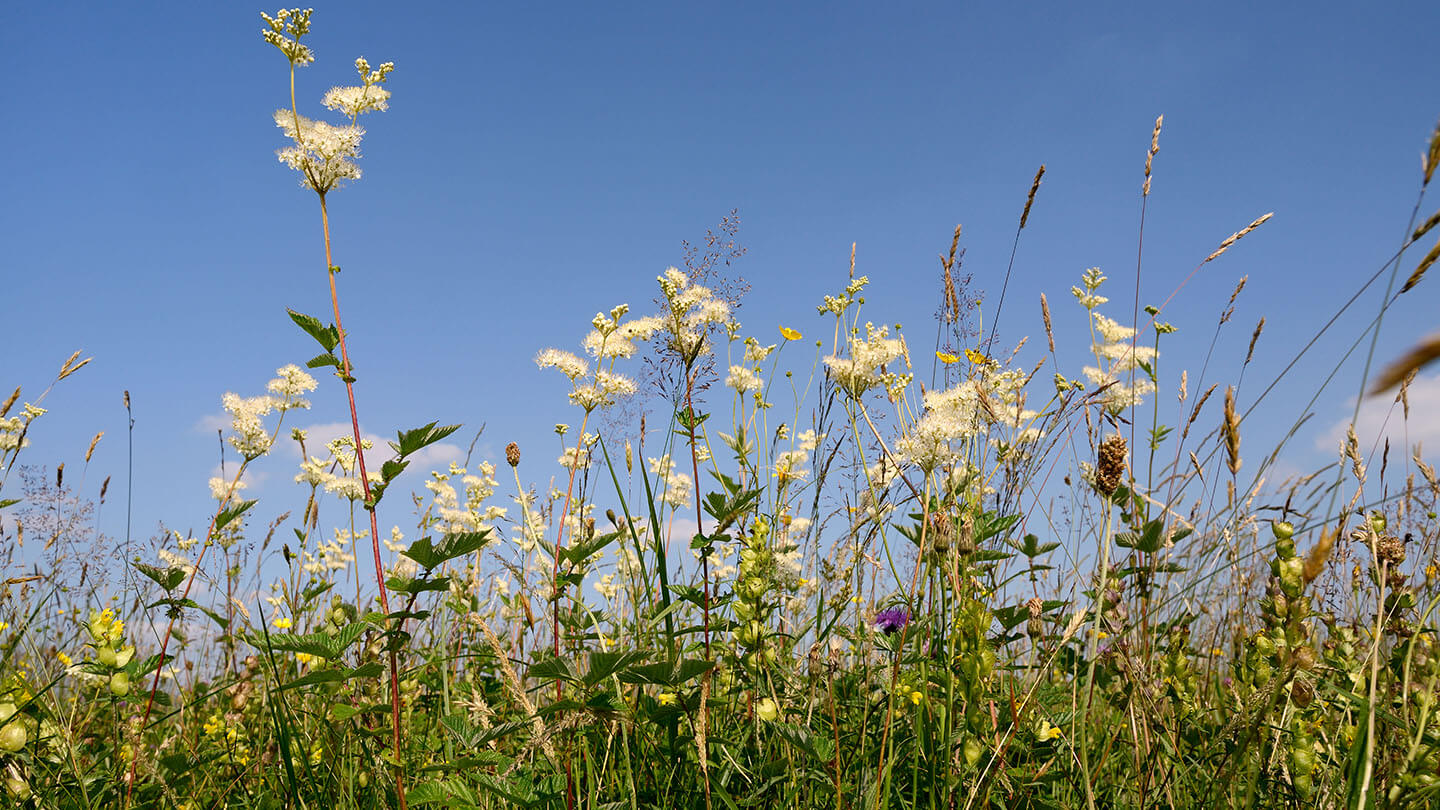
665, 698
978, 358
1044, 731
790, 334
304, 658
916, 697
64, 659
946, 358
283, 623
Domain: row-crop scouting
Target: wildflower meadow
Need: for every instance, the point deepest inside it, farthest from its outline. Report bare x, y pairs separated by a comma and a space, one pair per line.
830, 563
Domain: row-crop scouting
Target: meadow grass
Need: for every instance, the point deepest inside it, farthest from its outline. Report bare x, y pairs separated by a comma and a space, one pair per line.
809, 581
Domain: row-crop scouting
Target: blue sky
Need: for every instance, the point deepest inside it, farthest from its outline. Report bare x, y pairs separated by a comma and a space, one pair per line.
541, 162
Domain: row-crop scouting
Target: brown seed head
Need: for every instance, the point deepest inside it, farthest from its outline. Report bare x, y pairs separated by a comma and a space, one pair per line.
512, 454
1110, 464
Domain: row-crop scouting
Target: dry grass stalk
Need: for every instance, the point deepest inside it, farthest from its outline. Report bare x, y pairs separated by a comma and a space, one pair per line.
1195, 464
852, 260
1045, 314
93, 442
71, 366
952, 300
1154, 150
1259, 327
1425, 228
4, 409
1030, 200
1232, 432
1426, 470
1351, 450
1404, 396
1432, 156
1195, 412
1184, 385
1421, 268
1237, 236
1318, 554
1417, 358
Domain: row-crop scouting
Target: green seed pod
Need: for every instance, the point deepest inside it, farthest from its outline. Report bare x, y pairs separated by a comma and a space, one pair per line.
120, 684
13, 737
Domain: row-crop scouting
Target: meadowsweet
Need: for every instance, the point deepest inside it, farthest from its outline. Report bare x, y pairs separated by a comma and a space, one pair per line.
860, 370
568, 364
251, 438
743, 380
290, 384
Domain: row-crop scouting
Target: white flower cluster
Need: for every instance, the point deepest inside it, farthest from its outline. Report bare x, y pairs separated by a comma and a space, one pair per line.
992, 398
12, 430
472, 515
691, 311
251, 438
1118, 356
677, 485
861, 370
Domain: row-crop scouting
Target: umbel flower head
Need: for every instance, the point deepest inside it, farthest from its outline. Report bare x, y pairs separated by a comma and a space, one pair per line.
323, 153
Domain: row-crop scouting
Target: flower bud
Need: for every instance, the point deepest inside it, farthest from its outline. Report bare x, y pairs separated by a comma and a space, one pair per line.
767, 710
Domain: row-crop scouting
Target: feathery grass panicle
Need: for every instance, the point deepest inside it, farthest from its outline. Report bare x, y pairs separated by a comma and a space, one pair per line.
1232, 432
1254, 337
1045, 315
1237, 236
1421, 355
1030, 198
1420, 268
9, 402
1150, 156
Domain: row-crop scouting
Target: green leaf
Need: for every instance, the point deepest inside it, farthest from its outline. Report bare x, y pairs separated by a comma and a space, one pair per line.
226, 517
452, 546
552, 669
391, 469
326, 335
418, 585
605, 664
410, 441
322, 645
9, 502
322, 360
167, 578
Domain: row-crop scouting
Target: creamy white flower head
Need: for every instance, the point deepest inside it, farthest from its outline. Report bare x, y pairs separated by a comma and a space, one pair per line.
220, 487
860, 371
809, 439
755, 353
569, 365
251, 438
323, 153
355, 101
742, 380
290, 385
284, 31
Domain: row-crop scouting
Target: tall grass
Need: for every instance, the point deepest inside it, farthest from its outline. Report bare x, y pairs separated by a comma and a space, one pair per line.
801, 579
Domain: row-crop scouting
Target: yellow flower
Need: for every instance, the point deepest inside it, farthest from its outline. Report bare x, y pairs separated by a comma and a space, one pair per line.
64, 659
916, 697
978, 358
283, 623
1044, 731
665, 698
789, 334
946, 358
304, 658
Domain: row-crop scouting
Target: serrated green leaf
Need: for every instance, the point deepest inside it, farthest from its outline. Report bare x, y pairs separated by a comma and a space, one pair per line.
323, 360
167, 578
227, 516
326, 335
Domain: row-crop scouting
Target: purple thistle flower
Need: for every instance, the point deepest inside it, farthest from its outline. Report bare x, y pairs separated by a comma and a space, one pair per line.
890, 620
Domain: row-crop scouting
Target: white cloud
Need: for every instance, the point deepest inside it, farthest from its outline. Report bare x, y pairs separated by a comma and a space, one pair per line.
1382, 417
